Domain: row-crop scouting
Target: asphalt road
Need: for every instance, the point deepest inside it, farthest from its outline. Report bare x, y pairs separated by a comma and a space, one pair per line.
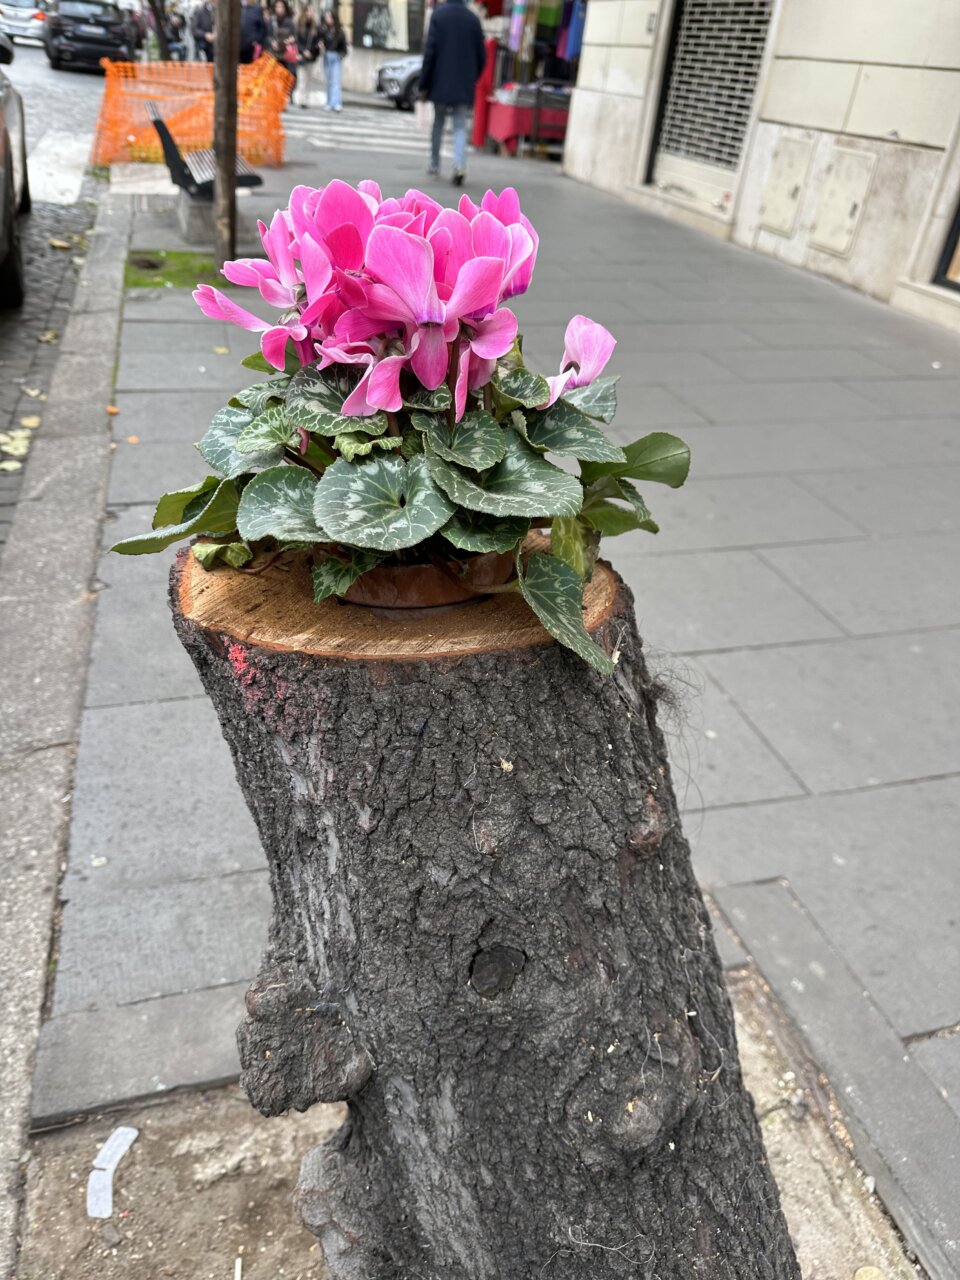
54, 101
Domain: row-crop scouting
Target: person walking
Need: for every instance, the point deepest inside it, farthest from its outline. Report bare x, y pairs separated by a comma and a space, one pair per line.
308, 45
452, 62
204, 24
253, 30
282, 41
334, 41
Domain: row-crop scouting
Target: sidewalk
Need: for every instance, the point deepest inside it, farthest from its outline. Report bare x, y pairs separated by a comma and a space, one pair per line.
802, 598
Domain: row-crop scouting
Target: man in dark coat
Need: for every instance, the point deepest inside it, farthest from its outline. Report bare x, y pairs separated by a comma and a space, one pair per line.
253, 30
204, 23
452, 62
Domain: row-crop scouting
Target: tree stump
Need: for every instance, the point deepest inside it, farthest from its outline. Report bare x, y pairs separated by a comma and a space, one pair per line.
487, 940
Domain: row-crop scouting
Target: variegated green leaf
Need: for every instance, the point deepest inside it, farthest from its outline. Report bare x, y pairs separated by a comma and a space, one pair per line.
384, 503
473, 532
353, 445
179, 505
521, 386
564, 430
476, 441
278, 503
219, 446
335, 577
659, 456
214, 511
602, 510
522, 484
315, 402
265, 432
555, 594
258, 397
434, 401
598, 400
575, 544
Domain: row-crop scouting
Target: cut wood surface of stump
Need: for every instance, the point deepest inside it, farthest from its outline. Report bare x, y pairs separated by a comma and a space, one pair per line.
487, 940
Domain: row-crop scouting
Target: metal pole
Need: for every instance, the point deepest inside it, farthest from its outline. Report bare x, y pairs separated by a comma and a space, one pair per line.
226, 58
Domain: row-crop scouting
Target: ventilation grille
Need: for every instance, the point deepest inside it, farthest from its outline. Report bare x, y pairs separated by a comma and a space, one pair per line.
716, 62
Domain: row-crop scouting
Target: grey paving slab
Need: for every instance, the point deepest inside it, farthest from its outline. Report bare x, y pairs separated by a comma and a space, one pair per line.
197, 334
643, 408
911, 395
732, 954
200, 369
716, 758
140, 804
156, 416
691, 603
102, 1057
888, 585
913, 1151
705, 336
875, 868
902, 500
142, 472
933, 360
131, 946
667, 368
802, 364
823, 334
114, 570
742, 512
922, 441
853, 713
136, 655
940, 1058
158, 305
776, 449
787, 401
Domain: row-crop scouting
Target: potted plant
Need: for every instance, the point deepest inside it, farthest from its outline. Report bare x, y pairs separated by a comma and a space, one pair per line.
398, 437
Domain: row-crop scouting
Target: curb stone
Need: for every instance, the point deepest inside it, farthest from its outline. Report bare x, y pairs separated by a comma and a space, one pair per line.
47, 601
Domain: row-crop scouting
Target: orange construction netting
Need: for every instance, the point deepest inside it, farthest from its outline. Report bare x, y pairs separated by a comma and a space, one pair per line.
182, 93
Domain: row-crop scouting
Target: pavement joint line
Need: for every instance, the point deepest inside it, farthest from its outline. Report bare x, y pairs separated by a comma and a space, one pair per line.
797, 479
802, 592
50, 764
774, 751
936, 1033
869, 1070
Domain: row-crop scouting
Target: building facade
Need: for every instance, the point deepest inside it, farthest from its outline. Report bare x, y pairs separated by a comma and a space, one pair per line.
822, 132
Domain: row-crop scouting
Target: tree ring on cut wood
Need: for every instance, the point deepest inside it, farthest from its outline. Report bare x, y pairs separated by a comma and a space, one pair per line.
487, 939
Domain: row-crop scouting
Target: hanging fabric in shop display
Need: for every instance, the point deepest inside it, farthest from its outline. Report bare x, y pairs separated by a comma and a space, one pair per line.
517, 18
571, 35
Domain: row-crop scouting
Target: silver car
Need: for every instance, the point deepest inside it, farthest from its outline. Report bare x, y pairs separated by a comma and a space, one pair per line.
14, 184
23, 19
397, 80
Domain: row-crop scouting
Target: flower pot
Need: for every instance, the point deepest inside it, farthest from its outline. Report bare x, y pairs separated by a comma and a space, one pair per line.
431, 586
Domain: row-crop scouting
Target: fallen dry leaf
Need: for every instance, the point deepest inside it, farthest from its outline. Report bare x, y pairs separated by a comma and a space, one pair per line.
8, 464
32, 421
32, 392
49, 336
133, 439
54, 243
221, 351
78, 262
112, 410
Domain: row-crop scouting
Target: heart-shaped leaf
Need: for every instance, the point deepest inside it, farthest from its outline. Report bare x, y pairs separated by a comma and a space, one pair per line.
601, 512
353, 445
659, 456
265, 432
476, 441
278, 503
216, 515
521, 387
219, 446
173, 507
258, 397
260, 364
555, 594
575, 544
434, 401
473, 532
598, 400
564, 430
335, 577
522, 484
384, 503
315, 402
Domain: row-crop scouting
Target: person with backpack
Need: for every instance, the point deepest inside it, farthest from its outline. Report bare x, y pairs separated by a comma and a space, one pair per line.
334, 41
253, 30
453, 59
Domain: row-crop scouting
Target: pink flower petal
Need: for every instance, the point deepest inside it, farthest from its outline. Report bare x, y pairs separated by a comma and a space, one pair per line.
558, 386
477, 289
588, 346
273, 344
461, 250
430, 359
371, 188
278, 243
463, 378
468, 208
405, 263
490, 237
345, 247
494, 335
342, 203
481, 371
317, 271
384, 388
217, 306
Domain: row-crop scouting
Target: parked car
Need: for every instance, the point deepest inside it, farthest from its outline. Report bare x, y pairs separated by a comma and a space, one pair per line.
399, 79
14, 184
81, 32
22, 19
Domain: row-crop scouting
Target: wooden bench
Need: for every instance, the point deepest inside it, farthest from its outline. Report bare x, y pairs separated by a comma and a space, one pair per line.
194, 171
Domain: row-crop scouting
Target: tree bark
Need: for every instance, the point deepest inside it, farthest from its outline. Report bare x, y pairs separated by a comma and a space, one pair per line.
487, 940
226, 59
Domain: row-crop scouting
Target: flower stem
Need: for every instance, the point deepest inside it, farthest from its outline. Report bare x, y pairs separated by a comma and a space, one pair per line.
452, 374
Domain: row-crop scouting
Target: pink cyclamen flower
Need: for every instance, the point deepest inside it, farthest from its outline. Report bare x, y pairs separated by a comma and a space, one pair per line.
587, 348
274, 337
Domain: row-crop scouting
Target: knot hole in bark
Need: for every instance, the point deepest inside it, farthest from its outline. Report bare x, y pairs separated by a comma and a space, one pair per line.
495, 969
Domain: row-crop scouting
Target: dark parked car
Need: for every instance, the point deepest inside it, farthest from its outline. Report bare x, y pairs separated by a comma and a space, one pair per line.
81, 32
14, 187
22, 19
398, 80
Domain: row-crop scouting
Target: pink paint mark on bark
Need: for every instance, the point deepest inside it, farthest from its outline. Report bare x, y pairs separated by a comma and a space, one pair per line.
237, 657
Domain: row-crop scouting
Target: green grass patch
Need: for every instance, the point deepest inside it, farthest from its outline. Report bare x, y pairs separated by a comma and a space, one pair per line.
170, 268
99, 172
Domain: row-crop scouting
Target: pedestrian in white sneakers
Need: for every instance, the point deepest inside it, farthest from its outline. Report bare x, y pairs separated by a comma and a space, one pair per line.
308, 45
452, 62
334, 41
